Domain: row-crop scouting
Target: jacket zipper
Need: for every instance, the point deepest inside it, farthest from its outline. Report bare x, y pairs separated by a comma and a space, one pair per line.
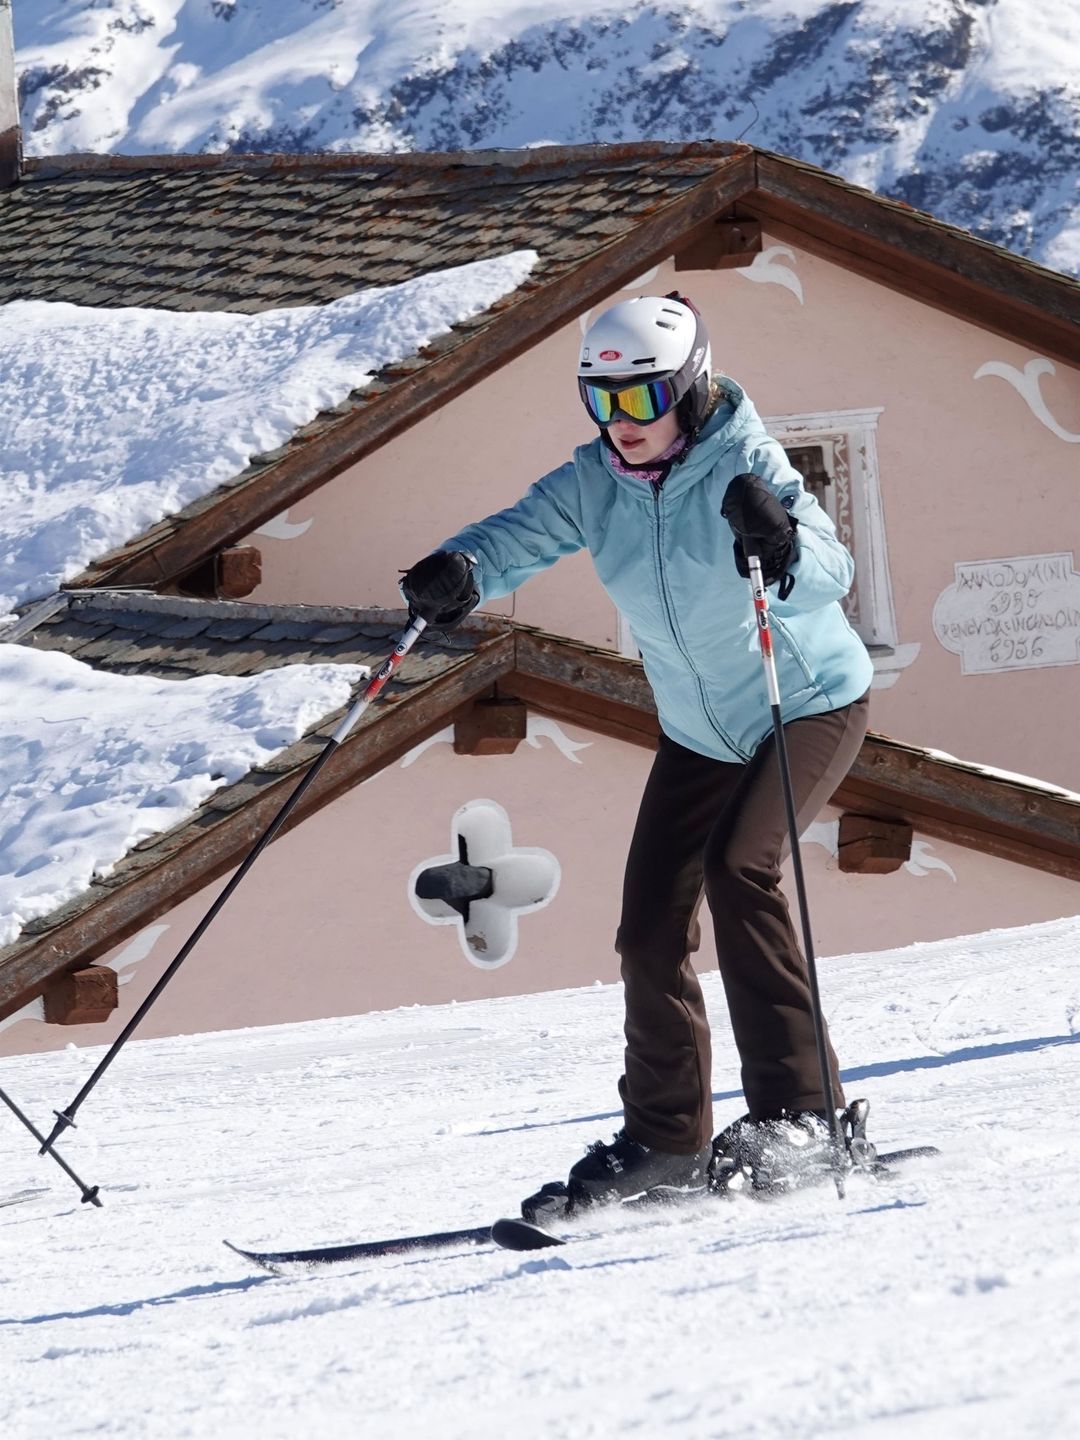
669, 614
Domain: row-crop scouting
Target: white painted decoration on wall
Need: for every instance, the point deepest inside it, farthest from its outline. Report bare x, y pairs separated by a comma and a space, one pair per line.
890, 664
826, 833
766, 271
523, 879
1017, 613
537, 728
1027, 383
137, 949
282, 528
923, 860
34, 1010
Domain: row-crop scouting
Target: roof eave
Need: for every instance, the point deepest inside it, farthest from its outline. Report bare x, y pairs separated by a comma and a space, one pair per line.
923, 258
571, 681
939, 797
217, 841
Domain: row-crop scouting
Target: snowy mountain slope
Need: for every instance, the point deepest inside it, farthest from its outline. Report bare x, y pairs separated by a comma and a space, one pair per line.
968, 108
944, 1304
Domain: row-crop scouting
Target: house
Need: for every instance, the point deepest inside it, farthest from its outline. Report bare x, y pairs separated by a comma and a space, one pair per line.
522, 744
923, 381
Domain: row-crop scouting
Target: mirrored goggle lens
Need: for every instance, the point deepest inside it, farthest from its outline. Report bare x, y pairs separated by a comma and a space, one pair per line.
643, 403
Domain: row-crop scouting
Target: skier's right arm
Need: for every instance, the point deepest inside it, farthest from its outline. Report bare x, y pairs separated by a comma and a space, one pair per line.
527, 537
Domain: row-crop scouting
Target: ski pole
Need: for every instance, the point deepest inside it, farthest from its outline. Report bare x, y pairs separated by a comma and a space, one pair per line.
417, 625
761, 608
89, 1192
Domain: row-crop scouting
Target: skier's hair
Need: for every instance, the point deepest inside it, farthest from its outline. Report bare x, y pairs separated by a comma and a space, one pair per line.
717, 396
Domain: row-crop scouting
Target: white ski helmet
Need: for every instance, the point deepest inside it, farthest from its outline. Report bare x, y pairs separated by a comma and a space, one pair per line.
644, 357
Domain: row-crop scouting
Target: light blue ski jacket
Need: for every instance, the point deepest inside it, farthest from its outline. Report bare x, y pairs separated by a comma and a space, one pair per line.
666, 560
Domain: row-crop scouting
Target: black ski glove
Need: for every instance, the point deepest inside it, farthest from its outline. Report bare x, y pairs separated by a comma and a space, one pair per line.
760, 525
441, 588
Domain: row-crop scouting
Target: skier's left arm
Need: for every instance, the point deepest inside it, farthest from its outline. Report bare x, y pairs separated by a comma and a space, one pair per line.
820, 568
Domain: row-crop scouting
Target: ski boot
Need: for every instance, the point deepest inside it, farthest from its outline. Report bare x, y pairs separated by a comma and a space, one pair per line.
617, 1171
788, 1150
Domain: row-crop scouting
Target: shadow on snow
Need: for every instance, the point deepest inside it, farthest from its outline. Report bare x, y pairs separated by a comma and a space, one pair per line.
855, 1073
129, 1307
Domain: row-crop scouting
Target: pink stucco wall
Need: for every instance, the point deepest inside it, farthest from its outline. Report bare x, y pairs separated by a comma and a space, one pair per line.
970, 470
323, 925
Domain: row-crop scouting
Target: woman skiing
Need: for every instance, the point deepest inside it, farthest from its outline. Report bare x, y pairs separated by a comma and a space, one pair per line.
681, 474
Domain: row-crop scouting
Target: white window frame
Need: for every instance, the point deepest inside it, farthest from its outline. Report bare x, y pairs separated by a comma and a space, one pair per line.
853, 502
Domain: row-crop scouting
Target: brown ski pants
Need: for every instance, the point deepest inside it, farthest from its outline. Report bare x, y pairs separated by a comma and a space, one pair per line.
718, 830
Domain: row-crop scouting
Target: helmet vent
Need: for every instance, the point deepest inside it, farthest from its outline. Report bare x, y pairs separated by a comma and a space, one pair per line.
645, 360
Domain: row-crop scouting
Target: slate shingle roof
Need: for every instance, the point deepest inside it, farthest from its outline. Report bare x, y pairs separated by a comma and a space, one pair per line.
248, 233
177, 638
252, 232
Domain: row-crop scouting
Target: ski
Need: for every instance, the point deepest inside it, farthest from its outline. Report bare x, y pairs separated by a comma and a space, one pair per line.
514, 1233
282, 1262
20, 1195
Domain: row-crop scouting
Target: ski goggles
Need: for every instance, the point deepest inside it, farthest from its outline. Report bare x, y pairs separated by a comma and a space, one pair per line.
643, 403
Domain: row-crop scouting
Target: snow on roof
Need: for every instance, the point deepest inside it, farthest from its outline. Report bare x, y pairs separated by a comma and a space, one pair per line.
115, 418
92, 763
995, 773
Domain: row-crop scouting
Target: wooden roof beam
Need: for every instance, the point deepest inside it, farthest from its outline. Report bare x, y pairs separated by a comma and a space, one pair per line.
907, 251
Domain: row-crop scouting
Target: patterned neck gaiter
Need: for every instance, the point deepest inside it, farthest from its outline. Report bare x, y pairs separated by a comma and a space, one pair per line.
655, 472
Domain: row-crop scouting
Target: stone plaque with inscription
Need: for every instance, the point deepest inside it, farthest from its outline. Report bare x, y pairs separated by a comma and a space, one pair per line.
1019, 613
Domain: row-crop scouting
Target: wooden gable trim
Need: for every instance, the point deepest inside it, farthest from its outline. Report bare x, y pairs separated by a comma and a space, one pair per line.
879, 239
942, 798
540, 160
219, 843
596, 688
909, 252
523, 323
965, 806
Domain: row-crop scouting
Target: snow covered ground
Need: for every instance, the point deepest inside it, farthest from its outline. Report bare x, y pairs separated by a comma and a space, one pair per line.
943, 1304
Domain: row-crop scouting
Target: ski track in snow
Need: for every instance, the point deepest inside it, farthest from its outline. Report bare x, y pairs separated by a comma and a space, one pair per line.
943, 1303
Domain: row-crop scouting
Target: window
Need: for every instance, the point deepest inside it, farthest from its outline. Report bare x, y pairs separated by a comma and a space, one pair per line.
836, 453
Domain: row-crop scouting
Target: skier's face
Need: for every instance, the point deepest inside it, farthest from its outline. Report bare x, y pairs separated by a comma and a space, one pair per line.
641, 443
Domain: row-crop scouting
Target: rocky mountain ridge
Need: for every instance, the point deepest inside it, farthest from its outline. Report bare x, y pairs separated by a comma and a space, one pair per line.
969, 109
